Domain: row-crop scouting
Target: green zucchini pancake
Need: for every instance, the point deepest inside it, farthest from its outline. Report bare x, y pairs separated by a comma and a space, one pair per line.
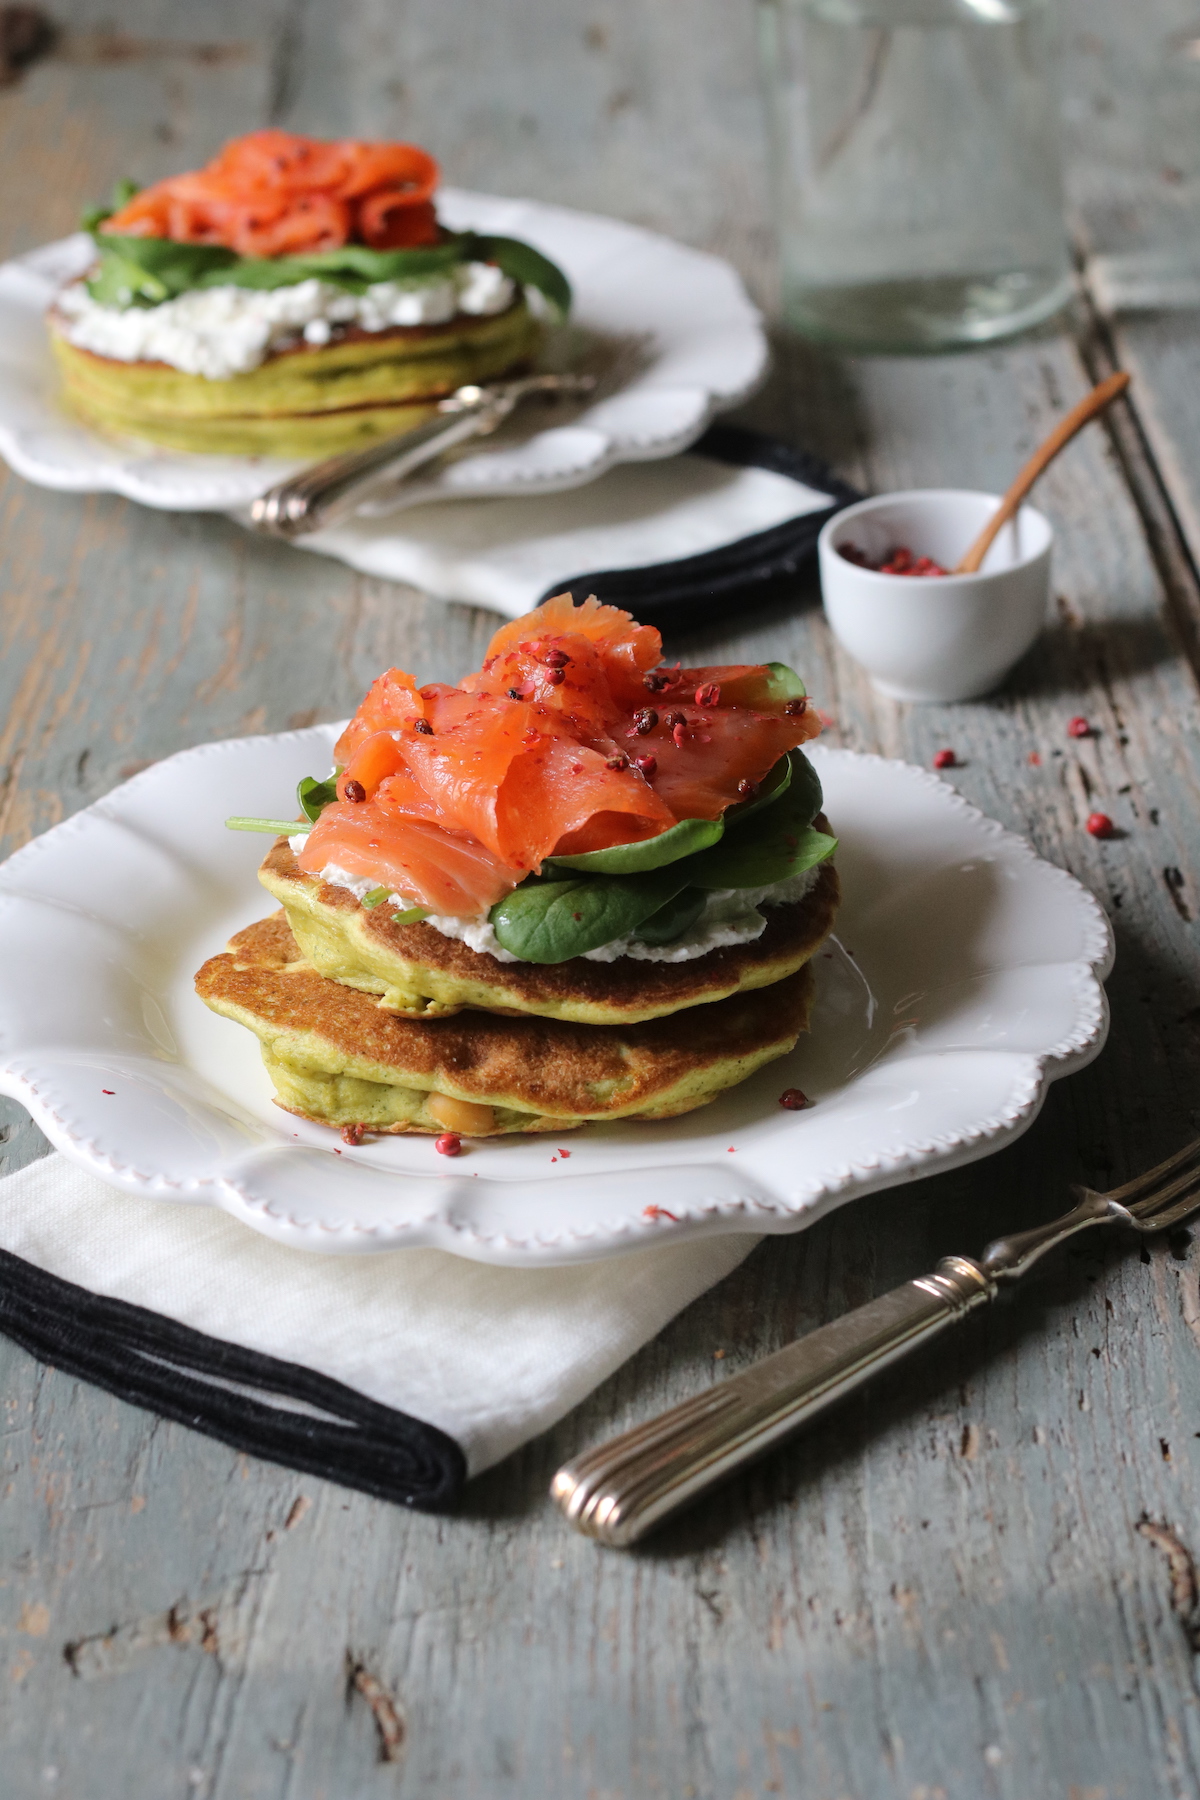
579, 885
335, 1056
293, 298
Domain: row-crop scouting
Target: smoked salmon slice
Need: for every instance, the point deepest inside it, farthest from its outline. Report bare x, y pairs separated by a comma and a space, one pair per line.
277, 193
442, 870
572, 737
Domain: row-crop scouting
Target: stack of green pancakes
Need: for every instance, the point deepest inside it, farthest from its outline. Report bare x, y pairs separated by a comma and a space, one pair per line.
345, 389
303, 400
370, 1021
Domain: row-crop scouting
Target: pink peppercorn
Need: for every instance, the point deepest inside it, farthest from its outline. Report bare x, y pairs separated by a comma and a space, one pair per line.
899, 560
945, 759
1078, 727
555, 676
793, 1100
708, 694
646, 765
1100, 825
449, 1144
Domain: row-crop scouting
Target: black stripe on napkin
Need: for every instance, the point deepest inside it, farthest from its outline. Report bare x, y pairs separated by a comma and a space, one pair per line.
753, 569
222, 1390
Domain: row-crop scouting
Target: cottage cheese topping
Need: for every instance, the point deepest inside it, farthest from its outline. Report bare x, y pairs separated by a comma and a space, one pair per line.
730, 916
224, 331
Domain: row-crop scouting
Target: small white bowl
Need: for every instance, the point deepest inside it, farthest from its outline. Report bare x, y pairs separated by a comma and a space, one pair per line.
936, 637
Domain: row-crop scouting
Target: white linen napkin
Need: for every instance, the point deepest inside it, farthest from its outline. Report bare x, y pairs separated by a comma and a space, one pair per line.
489, 1356
508, 554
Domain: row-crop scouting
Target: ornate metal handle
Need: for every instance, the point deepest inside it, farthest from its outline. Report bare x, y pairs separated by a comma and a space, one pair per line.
334, 489
624, 1488
621, 1490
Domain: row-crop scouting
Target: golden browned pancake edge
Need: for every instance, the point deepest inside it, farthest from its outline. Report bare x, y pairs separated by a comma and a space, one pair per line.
417, 971
336, 1056
299, 401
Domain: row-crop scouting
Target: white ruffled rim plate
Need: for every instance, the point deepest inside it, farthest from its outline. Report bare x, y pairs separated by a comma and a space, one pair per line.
966, 975
701, 348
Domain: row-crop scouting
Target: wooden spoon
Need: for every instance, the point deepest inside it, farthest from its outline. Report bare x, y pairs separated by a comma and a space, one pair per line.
1091, 404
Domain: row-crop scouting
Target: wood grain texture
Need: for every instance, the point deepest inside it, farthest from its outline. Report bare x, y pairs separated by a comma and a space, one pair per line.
1133, 125
944, 1592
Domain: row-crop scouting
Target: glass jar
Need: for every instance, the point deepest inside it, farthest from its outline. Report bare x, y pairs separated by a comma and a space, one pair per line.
915, 151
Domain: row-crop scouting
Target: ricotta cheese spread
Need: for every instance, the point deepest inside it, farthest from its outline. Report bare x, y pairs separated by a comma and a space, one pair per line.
730, 916
223, 331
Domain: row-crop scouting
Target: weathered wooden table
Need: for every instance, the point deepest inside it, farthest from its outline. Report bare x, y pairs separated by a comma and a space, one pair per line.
975, 1581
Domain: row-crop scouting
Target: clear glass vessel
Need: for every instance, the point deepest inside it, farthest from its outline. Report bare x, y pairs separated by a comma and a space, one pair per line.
915, 150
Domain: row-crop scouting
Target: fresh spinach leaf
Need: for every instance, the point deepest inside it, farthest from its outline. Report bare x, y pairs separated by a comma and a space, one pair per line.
617, 893
683, 839
145, 271
354, 267
314, 796
775, 785
691, 835
523, 264
673, 919
552, 921
123, 192
773, 858
766, 686
804, 798
793, 776
778, 844
120, 282
784, 684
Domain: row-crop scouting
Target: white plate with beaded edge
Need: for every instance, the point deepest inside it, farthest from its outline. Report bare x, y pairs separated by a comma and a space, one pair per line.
694, 345
965, 976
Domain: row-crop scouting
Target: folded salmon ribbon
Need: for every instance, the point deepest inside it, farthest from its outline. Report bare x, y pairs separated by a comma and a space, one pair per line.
572, 737
276, 193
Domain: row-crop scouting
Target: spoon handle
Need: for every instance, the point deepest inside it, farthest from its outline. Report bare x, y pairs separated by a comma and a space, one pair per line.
1043, 456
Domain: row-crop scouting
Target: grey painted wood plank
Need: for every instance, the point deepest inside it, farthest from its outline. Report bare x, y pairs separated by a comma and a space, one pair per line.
942, 1591
1132, 127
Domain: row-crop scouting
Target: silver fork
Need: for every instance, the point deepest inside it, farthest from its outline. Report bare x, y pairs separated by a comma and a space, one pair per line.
621, 1490
332, 490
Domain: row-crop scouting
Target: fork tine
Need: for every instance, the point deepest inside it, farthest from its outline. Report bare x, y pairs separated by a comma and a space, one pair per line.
1172, 1216
1176, 1200
1146, 1181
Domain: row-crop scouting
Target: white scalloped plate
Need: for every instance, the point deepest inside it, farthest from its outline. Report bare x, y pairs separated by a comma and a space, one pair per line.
966, 977
701, 349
